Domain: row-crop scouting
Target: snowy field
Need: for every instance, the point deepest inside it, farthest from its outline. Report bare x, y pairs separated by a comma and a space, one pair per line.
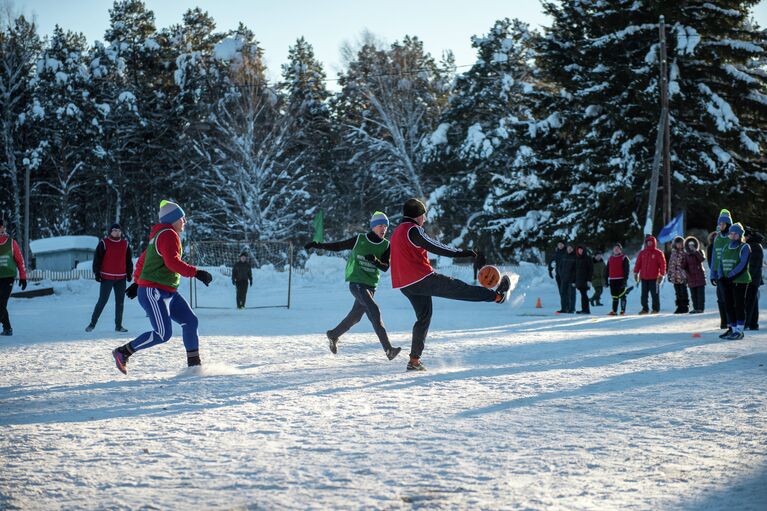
520, 408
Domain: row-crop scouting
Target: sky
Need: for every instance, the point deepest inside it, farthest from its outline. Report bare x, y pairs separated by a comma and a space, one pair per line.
440, 24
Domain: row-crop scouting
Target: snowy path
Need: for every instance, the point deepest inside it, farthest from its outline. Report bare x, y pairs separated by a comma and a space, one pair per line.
519, 410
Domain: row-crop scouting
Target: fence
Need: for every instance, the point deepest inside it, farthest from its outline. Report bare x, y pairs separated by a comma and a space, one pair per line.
37, 275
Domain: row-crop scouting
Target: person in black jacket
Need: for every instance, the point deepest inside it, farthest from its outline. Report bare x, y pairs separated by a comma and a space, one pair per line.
754, 240
112, 267
242, 276
554, 273
584, 271
567, 280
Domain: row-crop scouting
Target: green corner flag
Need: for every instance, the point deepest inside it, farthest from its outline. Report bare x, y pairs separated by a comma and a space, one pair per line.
319, 227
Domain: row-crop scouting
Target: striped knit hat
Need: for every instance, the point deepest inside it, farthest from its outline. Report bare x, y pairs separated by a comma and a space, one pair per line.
170, 212
378, 218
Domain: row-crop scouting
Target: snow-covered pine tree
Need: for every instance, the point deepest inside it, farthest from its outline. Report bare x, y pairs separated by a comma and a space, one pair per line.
250, 190
488, 140
604, 57
389, 103
19, 46
60, 161
309, 146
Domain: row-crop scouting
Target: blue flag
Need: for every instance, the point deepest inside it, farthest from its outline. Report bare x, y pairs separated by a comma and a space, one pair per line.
673, 229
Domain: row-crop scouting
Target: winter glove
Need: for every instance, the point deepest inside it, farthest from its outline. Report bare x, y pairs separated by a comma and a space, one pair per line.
98, 277
713, 282
23, 284
311, 245
551, 274
251, 283
204, 277
636, 277
659, 279
467, 253
132, 291
129, 277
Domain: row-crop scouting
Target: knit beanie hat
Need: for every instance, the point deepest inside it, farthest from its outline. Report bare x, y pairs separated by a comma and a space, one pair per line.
115, 226
678, 239
244, 254
736, 228
413, 208
170, 212
378, 218
725, 216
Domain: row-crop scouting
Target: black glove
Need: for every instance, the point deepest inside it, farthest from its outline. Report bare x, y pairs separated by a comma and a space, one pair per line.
23, 284
310, 245
98, 277
132, 291
713, 282
204, 277
129, 277
468, 253
251, 283
551, 274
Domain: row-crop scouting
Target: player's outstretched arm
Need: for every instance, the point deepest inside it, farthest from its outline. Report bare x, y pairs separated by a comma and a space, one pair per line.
419, 238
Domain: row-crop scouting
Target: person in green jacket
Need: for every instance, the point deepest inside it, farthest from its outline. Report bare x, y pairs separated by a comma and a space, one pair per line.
368, 258
598, 280
733, 275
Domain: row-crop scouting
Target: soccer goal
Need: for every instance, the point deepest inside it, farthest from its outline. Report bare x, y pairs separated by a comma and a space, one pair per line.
271, 263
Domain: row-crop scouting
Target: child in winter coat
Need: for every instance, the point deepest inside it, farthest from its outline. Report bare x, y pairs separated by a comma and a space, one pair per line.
692, 264
716, 244
650, 269
598, 280
617, 276
584, 271
734, 277
677, 275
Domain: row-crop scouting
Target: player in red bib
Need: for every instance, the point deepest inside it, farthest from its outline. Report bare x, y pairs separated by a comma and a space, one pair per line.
112, 266
413, 275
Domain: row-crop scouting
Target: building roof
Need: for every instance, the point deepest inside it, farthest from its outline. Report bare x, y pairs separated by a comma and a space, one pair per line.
63, 243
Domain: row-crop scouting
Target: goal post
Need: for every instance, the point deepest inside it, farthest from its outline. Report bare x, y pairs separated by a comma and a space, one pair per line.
271, 263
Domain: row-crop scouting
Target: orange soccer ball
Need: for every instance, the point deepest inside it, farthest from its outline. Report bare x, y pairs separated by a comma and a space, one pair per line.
489, 276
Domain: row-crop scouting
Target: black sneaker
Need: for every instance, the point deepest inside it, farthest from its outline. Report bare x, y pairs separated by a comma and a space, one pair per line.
726, 334
120, 329
121, 359
415, 365
7, 332
332, 343
193, 361
392, 353
90, 327
503, 289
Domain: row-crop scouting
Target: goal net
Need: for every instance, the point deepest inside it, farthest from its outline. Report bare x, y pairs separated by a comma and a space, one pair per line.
271, 264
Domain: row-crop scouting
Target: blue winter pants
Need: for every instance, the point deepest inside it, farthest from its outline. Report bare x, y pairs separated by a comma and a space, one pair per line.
161, 307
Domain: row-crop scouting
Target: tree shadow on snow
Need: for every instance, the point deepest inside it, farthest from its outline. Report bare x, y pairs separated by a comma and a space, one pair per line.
744, 494
633, 380
522, 358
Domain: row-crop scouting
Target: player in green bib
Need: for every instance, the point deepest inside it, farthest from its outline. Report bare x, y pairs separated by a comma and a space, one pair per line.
720, 241
368, 258
734, 277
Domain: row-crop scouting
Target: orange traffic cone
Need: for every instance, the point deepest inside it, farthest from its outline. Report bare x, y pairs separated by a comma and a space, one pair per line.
538, 304
696, 335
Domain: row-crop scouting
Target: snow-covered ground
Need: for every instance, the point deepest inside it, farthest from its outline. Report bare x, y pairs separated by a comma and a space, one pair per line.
520, 408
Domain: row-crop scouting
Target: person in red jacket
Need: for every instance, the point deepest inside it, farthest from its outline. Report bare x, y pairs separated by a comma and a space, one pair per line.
112, 267
11, 264
617, 275
412, 274
157, 277
650, 269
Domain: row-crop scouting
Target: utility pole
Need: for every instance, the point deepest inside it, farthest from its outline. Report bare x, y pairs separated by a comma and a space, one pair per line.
666, 128
26, 215
661, 144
